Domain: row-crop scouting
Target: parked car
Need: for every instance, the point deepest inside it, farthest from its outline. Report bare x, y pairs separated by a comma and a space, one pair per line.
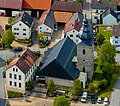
18, 49
55, 28
105, 101
99, 100
84, 97
93, 100
94, 32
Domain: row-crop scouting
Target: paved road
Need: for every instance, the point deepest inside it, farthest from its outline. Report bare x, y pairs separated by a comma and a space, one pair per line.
115, 96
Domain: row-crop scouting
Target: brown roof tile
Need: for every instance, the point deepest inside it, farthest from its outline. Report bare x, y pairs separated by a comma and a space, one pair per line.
37, 4
67, 6
24, 61
14, 4
74, 24
62, 17
116, 30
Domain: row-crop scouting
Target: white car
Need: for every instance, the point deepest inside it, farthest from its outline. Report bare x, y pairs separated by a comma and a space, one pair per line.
84, 97
105, 101
99, 100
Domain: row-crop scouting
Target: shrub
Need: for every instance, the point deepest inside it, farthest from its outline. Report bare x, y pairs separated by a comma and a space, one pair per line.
14, 94
37, 53
7, 26
29, 85
26, 41
103, 84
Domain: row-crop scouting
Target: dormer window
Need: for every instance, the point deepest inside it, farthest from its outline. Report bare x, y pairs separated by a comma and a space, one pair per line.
116, 37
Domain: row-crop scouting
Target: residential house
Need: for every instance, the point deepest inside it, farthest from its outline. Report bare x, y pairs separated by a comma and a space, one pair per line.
77, 16
109, 17
57, 63
64, 10
47, 22
98, 7
72, 29
10, 7
36, 7
115, 39
21, 70
22, 26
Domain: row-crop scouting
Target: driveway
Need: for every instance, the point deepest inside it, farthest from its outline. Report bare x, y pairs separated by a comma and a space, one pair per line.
3, 21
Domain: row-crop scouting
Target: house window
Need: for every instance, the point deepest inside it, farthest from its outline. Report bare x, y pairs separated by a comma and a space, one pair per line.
116, 41
24, 29
10, 75
14, 28
96, 11
10, 83
14, 33
17, 33
83, 51
13, 69
95, 17
17, 28
15, 84
40, 27
83, 69
19, 77
116, 37
83, 60
19, 85
15, 76
16, 70
73, 31
101, 11
47, 29
20, 24
71, 35
24, 34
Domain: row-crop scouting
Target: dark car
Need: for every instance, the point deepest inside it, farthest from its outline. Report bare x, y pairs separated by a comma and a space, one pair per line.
93, 100
18, 49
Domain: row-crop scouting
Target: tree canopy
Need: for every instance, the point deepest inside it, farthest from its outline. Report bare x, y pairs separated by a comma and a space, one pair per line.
107, 53
7, 38
51, 87
61, 101
42, 37
100, 38
77, 90
79, 1
91, 88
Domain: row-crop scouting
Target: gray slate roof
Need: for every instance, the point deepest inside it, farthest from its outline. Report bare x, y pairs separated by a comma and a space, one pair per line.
48, 19
77, 16
109, 11
25, 18
104, 5
57, 62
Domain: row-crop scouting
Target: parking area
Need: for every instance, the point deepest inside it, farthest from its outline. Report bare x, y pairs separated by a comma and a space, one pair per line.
3, 21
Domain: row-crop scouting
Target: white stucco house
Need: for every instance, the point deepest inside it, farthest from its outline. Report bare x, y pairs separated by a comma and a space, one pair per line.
109, 18
21, 70
99, 7
47, 22
72, 29
115, 39
22, 26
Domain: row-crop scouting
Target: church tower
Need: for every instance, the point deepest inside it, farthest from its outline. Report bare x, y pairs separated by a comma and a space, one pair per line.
85, 50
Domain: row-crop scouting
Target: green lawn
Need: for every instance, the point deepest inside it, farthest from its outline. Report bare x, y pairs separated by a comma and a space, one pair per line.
107, 34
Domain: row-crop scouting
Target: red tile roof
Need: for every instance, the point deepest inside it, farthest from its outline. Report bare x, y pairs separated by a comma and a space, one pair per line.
62, 17
14, 4
37, 4
67, 6
24, 61
116, 30
74, 24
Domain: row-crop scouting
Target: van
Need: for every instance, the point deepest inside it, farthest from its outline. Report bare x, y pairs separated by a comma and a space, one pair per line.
84, 97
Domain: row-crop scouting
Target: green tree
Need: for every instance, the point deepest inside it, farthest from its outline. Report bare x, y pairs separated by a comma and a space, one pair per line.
10, 20
79, 1
7, 38
61, 101
91, 88
103, 84
107, 53
42, 37
100, 38
77, 90
29, 85
51, 87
